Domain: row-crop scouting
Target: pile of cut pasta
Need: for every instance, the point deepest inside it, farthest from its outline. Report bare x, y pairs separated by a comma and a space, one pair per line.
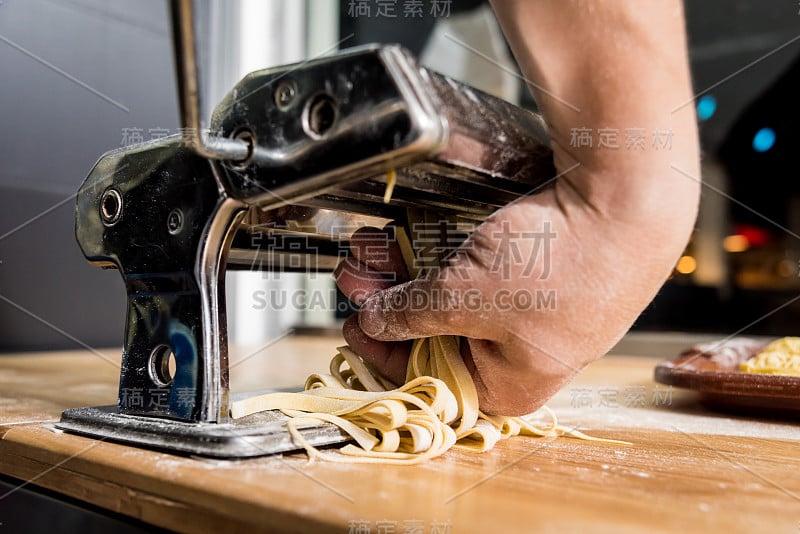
436, 409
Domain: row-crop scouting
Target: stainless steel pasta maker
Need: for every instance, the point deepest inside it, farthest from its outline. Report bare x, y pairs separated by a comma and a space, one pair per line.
299, 154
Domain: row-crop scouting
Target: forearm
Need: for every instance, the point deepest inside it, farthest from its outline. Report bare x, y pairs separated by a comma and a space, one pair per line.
622, 66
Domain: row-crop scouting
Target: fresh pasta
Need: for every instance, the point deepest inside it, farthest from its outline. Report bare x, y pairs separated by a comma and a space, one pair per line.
406, 425
781, 357
436, 409
391, 180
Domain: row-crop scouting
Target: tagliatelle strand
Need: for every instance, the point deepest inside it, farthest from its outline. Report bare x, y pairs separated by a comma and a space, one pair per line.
391, 180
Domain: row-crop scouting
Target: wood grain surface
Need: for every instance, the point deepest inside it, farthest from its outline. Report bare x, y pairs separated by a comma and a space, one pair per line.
687, 469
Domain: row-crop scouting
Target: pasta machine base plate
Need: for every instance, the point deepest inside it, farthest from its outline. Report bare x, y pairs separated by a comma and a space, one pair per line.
259, 434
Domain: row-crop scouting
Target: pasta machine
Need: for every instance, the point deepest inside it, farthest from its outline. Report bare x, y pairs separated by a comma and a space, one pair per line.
301, 152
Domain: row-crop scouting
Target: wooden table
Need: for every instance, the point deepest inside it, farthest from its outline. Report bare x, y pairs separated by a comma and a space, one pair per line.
687, 469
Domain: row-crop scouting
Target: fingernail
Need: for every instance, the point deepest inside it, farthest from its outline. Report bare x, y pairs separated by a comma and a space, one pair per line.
371, 317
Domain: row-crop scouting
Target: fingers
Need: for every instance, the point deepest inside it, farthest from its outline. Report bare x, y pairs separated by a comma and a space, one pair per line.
423, 308
376, 264
389, 359
378, 249
358, 281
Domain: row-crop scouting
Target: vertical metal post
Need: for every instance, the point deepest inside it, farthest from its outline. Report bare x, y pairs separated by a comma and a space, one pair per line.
188, 80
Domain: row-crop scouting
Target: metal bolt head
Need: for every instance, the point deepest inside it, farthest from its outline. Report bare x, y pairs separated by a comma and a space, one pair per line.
284, 94
110, 207
175, 221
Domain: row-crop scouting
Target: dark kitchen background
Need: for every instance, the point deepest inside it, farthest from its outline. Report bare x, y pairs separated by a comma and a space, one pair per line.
741, 266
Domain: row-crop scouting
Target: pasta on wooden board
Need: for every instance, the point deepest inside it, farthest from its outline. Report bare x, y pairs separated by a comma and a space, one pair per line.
435, 410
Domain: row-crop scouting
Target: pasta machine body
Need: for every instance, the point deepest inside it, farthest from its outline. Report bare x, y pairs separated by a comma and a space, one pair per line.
314, 143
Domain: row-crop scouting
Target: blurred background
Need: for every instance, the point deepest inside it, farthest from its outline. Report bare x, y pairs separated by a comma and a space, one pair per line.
81, 77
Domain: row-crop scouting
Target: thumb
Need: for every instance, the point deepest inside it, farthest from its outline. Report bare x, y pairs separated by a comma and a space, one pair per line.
421, 308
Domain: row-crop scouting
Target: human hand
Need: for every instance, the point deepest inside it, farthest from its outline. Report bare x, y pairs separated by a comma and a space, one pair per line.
537, 294
621, 218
